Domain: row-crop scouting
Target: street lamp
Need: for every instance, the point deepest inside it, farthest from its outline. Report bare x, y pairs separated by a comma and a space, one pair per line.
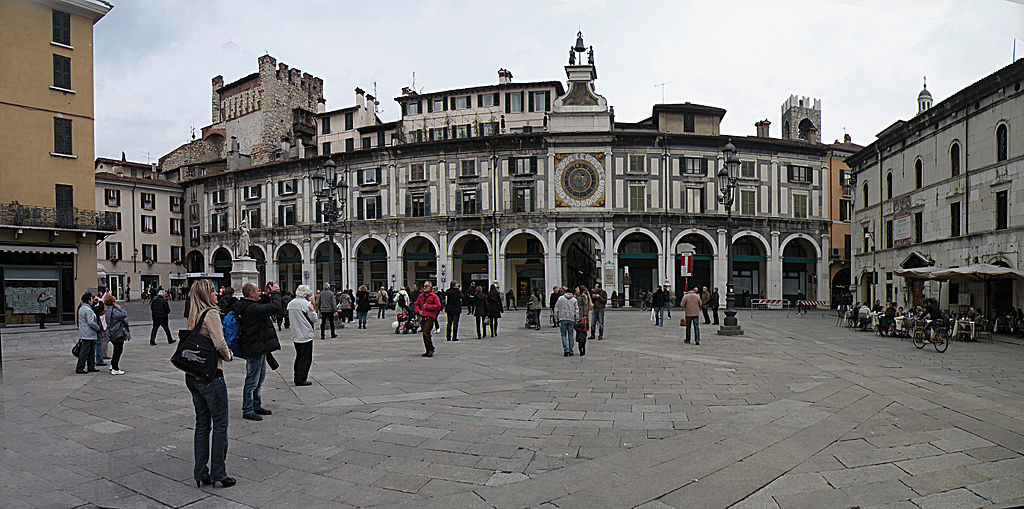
331, 191
727, 177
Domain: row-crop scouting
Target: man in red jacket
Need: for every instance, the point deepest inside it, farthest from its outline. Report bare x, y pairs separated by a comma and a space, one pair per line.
427, 306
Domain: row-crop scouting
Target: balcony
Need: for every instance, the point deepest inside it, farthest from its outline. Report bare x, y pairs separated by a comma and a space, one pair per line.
49, 218
304, 128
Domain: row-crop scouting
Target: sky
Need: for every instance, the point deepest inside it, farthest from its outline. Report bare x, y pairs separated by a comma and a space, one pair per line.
865, 60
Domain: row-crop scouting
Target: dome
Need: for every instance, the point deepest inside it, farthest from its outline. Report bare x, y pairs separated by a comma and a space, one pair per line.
925, 94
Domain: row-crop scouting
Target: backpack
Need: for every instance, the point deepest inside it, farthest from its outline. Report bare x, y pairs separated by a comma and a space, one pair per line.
230, 323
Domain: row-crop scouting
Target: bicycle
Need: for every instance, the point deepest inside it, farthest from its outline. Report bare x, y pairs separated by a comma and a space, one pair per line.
937, 336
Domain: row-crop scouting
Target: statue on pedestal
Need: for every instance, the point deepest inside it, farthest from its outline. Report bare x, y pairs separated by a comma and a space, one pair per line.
243, 241
572, 56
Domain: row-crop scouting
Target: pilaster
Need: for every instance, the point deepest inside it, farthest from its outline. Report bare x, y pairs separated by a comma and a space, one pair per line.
774, 263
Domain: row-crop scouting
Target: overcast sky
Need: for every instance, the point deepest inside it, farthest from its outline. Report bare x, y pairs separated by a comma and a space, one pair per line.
863, 59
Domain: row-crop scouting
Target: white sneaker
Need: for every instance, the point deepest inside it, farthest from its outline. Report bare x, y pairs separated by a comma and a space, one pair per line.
120, 371
113, 371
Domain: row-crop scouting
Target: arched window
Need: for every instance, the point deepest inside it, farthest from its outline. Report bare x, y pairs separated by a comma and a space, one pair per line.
888, 186
918, 174
1001, 143
954, 159
865, 195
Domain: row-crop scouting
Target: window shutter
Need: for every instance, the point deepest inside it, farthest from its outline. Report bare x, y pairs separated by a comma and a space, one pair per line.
359, 207
458, 201
403, 109
547, 100
511, 166
426, 203
810, 175
359, 177
496, 97
533, 165
789, 172
408, 205
478, 202
531, 101
508, 102
453, 102
704, 167
419, 106
377, 171
430, 106
380, 212
479, 100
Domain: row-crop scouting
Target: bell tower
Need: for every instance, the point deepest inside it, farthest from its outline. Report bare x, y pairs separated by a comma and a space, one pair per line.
581, 109
924, 99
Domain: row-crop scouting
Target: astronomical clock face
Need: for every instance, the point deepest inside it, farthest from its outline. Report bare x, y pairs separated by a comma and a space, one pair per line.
579, 183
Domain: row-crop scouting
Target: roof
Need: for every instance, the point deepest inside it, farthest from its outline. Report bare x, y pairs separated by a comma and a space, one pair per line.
239, 81
846, 147
687, 107
481, 88
900, 130
119, 162
378, 127
111, 177
339, 110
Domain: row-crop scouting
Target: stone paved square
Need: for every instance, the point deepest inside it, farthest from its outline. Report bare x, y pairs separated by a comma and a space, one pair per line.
795, 413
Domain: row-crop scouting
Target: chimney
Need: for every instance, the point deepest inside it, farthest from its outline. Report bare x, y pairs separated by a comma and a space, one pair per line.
812, 135
217, 83
847, 138
762, 128
360, 98
369, 102
504, 76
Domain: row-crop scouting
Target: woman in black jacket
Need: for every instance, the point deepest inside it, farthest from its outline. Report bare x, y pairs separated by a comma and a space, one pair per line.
362, 305
480, 310
494, 308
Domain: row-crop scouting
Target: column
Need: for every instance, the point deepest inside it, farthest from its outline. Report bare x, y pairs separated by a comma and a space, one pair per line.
445, 259
395, 261
721, 268
824, 284
271, 266
668, 257
552, 260
497, 261
351, 274
610, 259
774, 268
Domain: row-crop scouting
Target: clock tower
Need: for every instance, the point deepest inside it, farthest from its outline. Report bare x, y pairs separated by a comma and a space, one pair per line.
581, 109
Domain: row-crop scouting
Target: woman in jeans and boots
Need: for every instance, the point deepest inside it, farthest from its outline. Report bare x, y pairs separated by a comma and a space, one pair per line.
117, 331
210, 398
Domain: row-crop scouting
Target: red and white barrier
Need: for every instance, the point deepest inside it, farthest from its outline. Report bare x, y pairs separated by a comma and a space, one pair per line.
769, 303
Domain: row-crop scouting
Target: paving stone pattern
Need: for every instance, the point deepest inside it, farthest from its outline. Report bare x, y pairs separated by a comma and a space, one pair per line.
796, 413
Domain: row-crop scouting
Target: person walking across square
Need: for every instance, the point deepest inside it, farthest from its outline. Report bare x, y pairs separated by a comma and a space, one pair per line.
691, 308
327, 305
714, 304
160, 309
705, 298
599, 298
567, 312
453, 308
427, 306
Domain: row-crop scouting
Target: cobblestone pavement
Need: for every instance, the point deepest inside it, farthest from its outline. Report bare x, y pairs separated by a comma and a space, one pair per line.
796, 413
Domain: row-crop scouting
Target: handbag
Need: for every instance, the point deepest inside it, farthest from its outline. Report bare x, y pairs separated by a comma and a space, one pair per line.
77, 349
118, 334
195, 354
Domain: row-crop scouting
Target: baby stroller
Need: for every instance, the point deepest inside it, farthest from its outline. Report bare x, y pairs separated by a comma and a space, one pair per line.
532, 321
406, 324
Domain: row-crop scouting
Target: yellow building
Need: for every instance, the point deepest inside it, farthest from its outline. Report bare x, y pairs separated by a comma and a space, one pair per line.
49, 227
840, 213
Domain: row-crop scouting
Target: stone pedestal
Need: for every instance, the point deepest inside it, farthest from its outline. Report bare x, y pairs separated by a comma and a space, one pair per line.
243, 270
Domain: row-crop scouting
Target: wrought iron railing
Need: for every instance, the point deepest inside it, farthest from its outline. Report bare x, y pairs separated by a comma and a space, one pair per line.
15, 214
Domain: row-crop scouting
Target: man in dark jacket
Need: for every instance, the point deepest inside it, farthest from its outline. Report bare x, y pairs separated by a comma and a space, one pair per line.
714, 304
556, 292
257, 338
427, 306
161, 310
658, 305
453, 308
599, 297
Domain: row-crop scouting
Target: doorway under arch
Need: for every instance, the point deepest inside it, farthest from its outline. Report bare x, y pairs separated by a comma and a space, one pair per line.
371, 264
256, 253
703, 265
222, 265
289, 266
323, 263
749, 259
469, 261
419, 261
638, 257
524, 265
798, 271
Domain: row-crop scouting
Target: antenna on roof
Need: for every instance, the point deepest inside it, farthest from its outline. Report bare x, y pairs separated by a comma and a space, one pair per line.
662, 85
376, 102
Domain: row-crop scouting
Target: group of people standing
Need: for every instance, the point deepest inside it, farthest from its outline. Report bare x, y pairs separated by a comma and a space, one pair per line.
574, 311
101, 321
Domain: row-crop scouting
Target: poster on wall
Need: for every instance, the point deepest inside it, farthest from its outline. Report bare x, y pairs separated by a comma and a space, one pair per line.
901, 222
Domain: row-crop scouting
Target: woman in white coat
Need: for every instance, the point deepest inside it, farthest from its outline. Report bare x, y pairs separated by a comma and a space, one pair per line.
303, 316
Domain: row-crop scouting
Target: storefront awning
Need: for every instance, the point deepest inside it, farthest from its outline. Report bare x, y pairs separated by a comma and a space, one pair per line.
26, 248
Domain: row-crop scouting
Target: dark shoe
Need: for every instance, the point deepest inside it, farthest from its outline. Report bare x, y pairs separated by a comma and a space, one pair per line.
152, 343
303, 384
600, 339
571, 354
687, 341
565, 354
428, 354
252, 417
171, 341
583, 352
101, 364
81, 372
203, 482
334, 336
262, 411
92, 370
455, 339
226, 482
696, 342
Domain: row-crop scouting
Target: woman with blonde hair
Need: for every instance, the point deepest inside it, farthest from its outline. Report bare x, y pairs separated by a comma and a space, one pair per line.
117, 331
302, 314
210, 398
362, 305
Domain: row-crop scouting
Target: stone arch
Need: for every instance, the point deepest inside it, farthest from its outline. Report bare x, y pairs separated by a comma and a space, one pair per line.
474, 233
697, 231
517, 231
195, 261
1001, 261
808, 238
277, 252
750, 233
321, 242
432, 240
363, 238
637, 229
569, 233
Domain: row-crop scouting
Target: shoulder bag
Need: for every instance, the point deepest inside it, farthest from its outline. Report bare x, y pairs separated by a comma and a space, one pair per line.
195, 353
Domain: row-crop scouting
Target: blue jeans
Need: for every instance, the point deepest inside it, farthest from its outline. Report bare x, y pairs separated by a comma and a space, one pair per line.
98, 349
659, 319
87, 355
598, 319
668, 310
695, 320
211, 402
255, 372
565, 327
362, 318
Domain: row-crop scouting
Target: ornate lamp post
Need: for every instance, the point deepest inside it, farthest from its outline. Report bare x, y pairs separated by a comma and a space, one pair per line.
727, 177
331, 191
